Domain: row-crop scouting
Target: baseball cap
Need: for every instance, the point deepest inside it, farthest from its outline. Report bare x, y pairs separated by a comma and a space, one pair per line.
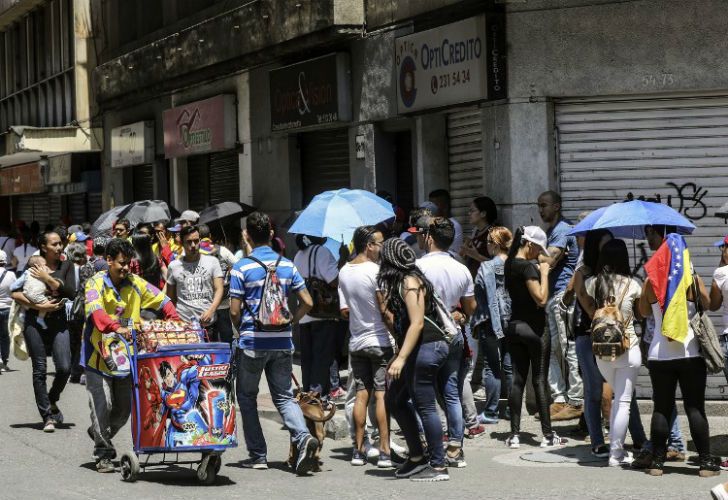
78, 236
535, 235
76, 228
188, 215
431, 207
422, 223
722, 242
175, 229
3, 257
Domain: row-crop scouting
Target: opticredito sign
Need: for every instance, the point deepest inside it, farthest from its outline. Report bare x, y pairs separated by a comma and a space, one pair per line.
313, 92
451, 64
200, 127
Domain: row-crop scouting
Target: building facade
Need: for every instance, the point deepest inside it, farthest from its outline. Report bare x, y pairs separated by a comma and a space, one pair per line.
50, 141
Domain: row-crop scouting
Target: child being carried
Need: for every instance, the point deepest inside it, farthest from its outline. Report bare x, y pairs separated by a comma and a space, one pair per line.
34, 289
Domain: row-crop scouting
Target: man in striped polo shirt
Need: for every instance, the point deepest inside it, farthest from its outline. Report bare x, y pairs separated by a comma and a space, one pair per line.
267, 351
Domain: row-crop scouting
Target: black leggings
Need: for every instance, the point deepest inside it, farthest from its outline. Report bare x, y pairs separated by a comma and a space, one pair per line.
529, 350
692, 375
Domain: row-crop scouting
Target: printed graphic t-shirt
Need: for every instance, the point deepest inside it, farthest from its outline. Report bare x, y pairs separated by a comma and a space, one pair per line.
194, 285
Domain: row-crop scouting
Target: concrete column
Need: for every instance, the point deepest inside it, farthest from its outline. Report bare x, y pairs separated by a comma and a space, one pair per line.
245, 158
363, 173
518, 146
178, 175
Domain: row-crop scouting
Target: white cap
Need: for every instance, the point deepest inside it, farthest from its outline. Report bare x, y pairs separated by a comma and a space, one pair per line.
535, 235
3, 257
189, 215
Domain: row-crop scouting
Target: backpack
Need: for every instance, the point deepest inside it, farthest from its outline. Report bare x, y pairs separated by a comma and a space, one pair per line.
440, 320
273, 312
325, 297
609, 329
225, 271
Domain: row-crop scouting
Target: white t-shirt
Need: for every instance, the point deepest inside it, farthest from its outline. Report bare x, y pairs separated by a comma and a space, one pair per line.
5, 300
23, 253
664, 349
358, 294
632, 295
325, 265
450, 279
7, 245
720, 277
457, 242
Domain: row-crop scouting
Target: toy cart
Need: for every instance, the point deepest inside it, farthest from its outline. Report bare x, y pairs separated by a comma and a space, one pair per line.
182, 401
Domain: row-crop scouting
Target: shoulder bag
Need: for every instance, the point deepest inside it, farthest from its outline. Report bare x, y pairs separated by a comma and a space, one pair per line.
708, 341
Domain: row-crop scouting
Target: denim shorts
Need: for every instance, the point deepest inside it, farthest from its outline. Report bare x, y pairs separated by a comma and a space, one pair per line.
369, 367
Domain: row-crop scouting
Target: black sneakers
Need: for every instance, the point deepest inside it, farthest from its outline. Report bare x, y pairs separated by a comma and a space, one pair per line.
643, 459
430, 475
656, 467
709, 466
410, 468
307, 456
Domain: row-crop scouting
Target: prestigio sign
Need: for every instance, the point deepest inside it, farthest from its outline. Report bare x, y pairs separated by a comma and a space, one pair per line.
313, 92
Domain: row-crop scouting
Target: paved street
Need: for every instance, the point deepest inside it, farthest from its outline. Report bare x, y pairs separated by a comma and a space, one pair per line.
37, 464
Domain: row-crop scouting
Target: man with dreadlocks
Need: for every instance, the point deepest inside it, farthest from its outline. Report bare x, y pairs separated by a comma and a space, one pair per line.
406, 296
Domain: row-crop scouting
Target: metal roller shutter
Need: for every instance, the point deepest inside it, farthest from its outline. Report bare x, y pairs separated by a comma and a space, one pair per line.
224, 177
465, 161
197, 181
23, 208
324, 161
94, 206
41, 211
55, 209
143, 182
76, 204
668, 149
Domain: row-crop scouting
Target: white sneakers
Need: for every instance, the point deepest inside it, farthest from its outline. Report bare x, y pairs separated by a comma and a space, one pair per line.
513, 441
554, 441
718, 492
625, 460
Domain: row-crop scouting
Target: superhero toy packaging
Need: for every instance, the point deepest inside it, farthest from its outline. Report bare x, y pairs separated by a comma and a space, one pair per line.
184, 395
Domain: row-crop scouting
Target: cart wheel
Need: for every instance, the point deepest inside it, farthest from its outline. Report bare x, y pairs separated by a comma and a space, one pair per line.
217, 460
207, 472
129, 464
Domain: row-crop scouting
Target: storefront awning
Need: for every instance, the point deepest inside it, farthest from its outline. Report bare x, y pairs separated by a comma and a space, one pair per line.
28, 144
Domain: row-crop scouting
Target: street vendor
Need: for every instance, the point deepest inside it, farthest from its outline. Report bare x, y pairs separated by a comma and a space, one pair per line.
113, 299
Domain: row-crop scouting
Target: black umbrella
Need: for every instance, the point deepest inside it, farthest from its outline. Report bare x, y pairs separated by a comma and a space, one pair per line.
223, 210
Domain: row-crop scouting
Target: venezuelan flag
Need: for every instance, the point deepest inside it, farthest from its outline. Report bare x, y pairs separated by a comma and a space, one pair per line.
670, 274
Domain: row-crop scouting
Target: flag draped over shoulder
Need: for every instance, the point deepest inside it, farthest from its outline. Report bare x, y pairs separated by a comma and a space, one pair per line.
669, 272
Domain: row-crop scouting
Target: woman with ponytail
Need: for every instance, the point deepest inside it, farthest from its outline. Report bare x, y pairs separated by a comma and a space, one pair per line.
527, 283
406, 297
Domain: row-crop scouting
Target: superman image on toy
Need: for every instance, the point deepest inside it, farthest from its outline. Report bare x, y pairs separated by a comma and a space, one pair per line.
180, 392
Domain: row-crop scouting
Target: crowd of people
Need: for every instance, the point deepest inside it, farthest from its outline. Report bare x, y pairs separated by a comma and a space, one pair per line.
430, 320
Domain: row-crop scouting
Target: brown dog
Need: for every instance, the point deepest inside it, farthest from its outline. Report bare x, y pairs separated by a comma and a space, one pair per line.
316, 413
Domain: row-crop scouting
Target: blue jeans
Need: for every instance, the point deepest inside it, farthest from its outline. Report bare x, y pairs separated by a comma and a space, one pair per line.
54, 341
4, 336
278, 367
592, 378
496, 367
450, 384
417, 382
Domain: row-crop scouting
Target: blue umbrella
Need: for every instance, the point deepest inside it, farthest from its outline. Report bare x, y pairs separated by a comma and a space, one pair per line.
628, 220
336, 214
